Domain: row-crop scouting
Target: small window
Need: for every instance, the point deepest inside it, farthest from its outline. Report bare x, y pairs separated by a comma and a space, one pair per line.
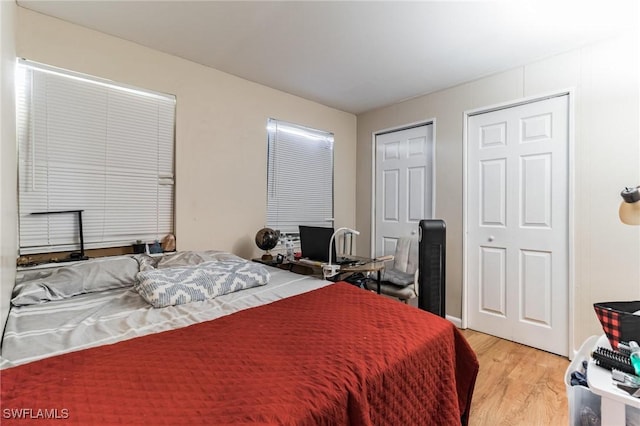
299, 177
89, 144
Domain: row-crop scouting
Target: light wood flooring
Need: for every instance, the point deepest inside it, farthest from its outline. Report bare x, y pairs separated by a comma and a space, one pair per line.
517, 385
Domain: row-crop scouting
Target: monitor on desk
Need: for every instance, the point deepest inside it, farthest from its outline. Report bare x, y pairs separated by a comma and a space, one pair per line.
314, 243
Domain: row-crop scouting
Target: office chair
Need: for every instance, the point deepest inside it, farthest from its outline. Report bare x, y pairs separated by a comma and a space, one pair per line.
400, 277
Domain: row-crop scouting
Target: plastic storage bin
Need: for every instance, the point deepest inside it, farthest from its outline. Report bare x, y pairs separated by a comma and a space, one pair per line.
610, 405
582, 402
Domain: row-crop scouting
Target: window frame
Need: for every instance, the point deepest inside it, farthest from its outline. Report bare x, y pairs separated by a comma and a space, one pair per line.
290, 227
161, 159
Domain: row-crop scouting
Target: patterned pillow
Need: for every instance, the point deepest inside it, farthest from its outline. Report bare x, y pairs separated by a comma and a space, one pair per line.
207, 280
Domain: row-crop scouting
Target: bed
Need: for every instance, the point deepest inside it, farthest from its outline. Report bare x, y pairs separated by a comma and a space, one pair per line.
292, 351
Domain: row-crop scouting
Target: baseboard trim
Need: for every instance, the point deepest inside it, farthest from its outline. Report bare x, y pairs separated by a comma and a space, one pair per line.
456, 321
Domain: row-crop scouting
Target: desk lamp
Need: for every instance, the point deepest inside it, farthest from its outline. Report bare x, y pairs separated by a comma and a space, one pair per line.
630, 206
329, 269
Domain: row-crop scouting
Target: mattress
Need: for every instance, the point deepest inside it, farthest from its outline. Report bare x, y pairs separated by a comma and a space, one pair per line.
337, 355
87, 320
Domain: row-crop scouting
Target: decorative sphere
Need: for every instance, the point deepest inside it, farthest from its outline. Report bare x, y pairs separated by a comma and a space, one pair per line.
267, 238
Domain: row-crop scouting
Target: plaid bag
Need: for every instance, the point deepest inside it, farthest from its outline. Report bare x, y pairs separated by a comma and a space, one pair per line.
618, 321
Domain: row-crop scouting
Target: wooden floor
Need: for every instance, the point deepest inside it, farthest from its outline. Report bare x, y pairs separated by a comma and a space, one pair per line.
517, 385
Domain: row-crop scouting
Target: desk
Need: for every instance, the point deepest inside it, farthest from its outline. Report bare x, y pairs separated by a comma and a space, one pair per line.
369, 265
303, 267
295, 266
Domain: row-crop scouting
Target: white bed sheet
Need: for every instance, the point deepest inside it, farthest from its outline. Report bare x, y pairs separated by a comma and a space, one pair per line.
39, 331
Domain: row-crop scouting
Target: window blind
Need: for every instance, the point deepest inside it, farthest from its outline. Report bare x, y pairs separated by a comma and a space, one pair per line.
299, 176
91, 145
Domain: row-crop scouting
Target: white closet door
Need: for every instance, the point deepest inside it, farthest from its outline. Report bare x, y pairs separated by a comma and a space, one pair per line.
404, 185
517, 224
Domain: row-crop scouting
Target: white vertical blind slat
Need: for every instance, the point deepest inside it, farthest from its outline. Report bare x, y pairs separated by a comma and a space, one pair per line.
97, 148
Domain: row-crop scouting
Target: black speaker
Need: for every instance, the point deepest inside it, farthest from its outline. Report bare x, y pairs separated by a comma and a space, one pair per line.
432, 246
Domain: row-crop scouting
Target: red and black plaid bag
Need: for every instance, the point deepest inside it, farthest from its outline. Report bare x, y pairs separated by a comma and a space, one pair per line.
618, 321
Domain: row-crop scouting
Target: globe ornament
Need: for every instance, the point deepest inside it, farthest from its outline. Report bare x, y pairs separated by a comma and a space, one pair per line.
267, 239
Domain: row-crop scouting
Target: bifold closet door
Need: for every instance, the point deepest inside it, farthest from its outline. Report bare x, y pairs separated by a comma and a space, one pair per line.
517, 264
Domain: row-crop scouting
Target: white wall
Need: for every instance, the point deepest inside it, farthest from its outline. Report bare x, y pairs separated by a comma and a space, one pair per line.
607, 158
221, 139
221, 147
8, 173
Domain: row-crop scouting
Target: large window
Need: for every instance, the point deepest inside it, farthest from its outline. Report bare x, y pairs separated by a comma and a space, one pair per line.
89, 144
299, 177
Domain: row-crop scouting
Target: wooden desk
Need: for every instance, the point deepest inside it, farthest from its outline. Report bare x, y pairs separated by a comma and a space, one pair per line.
303, 268
295, 266
369, 265
315, 268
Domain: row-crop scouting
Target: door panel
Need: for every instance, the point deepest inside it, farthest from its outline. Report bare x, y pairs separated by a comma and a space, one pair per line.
416, 181
392, 150
493, 192
517, 223
389, 245
536, 190
493, 280
390, 195
536, 128
535, 282
493, 135
404, 181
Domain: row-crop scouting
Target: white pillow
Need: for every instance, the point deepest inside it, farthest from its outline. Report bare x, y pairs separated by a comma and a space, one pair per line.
67, 281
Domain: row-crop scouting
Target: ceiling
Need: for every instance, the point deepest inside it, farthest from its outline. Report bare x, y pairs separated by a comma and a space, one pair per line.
359, 55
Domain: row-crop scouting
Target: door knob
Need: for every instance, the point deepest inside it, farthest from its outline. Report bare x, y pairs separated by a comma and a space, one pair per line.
491, 238
413, 232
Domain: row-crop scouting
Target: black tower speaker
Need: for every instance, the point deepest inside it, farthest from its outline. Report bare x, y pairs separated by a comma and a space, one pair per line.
431, 264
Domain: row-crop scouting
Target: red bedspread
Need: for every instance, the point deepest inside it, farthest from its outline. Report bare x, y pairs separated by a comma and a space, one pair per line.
333, 356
